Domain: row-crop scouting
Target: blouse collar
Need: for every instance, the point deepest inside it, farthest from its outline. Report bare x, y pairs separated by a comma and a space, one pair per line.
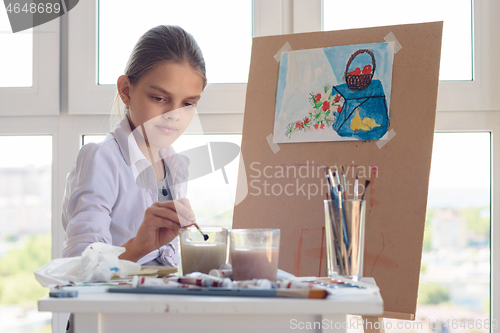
133, 156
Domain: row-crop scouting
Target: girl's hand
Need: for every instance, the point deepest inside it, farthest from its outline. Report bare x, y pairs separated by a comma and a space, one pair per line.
160, 226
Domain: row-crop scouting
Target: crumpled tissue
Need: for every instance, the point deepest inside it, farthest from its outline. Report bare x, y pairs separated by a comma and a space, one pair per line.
98, 262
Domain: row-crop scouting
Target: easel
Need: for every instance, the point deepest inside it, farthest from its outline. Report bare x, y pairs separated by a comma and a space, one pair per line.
371, 324
399, 170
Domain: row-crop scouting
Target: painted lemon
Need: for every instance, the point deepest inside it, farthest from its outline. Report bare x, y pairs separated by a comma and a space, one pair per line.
364, 124
356, 121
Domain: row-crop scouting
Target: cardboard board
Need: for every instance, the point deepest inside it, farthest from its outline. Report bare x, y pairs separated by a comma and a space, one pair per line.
286, 187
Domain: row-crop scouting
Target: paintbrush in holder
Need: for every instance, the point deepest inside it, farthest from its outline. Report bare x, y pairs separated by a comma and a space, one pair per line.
344, 226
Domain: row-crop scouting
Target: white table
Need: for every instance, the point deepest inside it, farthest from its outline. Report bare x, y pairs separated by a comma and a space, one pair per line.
144, 313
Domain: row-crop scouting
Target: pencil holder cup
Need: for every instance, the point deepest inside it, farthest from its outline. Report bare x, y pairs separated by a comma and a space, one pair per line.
345, 237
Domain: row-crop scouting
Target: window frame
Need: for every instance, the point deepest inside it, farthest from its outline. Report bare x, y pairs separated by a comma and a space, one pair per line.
68, 105
42, 98
88, 97
483, 121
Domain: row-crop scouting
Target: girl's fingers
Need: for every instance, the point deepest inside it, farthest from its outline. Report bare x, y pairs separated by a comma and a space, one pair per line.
190, 218
165, 222
164, 213
182, 207
169, 213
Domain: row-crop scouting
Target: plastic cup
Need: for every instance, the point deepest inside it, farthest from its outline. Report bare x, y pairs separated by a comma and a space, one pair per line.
198, 255
254, 253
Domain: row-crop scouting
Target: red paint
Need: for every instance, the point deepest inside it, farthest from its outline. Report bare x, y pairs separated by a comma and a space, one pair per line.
382, 261
378, 256
367, 69
357, 71
379, 260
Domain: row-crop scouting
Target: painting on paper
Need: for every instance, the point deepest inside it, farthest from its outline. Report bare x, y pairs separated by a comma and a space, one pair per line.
338, 93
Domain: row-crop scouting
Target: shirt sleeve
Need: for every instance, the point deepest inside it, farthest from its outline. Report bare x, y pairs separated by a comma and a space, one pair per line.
169, 254
91, 191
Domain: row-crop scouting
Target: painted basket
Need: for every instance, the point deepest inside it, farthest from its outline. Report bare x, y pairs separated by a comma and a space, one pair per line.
358, 82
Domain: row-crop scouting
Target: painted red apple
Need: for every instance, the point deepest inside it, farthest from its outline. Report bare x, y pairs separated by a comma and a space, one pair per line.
367, 69
357, 71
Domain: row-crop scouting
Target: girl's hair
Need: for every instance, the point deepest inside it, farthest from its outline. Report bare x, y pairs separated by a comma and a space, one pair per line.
159, 44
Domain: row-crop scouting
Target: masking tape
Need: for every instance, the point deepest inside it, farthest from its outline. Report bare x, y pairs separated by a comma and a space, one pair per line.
284, 48
63, 3
274, 146
386, 138
393, 42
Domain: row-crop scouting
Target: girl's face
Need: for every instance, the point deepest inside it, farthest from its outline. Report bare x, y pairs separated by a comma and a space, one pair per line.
163, 102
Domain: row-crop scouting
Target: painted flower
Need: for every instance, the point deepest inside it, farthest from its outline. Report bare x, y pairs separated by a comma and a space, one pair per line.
320, 114
326, 106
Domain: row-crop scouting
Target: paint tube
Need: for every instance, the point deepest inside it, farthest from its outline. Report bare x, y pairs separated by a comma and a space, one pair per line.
291, 284
255, 284
221, 273
152, 282
203, 280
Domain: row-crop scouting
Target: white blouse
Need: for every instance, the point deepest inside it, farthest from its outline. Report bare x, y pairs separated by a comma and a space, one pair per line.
109, 189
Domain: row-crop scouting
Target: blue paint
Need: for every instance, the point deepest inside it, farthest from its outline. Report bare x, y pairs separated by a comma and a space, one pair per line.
281, 83
338, 56
371, 104
311, 70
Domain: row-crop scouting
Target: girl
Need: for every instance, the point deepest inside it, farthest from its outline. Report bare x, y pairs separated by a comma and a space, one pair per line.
129, 189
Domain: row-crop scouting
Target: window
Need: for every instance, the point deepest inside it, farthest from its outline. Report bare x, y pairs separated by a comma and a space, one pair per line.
16, 67
97, 65
67, 48
456, 53
226, 51
25, 229
211, 198
454, 288
29, 67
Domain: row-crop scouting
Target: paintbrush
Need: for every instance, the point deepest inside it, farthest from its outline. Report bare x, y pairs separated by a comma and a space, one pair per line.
356, 184
301, 293
337, 178
315, 293
367, 182
344, 183
205, 236
334, 226
329, 178
332, 195
344, 245
340, 218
